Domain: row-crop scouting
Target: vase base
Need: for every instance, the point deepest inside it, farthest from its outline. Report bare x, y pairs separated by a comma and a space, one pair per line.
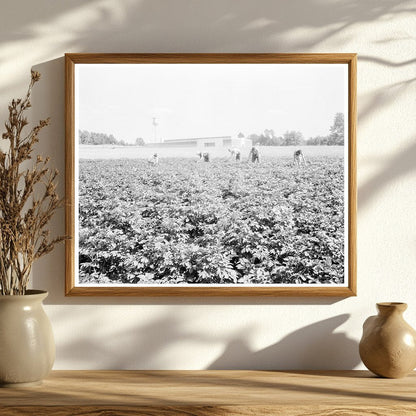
18, 385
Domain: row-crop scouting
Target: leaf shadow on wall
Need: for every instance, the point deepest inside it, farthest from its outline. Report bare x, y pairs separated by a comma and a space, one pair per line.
188, 26
314, 346
141, 347
239, 28
396, 167
403, 162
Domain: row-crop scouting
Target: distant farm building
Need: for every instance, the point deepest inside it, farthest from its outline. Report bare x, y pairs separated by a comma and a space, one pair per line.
205, 142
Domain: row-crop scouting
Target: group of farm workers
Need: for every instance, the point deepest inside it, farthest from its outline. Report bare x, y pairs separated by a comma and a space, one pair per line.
235, 154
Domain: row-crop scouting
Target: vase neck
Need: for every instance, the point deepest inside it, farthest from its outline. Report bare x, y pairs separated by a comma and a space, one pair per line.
35, 296
391, 308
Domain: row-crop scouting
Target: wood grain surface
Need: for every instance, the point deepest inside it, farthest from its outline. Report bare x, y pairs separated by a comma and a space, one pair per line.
202, 393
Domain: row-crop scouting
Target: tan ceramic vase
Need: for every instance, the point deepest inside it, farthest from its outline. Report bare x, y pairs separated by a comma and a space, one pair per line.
27, 347
388, 344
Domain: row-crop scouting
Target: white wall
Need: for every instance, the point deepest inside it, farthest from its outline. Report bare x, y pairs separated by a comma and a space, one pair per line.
200, 333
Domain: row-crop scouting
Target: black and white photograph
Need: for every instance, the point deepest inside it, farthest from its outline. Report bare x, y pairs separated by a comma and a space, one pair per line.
210, 175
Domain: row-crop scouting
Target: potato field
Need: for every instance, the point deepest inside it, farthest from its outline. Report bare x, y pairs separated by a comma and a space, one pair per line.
222, 222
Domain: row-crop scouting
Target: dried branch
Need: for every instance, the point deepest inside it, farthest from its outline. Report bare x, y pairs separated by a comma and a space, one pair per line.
23, 218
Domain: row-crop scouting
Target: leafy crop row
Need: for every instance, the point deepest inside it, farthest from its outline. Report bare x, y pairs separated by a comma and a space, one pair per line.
184, 222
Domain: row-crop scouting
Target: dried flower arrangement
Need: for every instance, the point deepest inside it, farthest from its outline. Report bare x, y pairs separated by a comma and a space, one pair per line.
28, 199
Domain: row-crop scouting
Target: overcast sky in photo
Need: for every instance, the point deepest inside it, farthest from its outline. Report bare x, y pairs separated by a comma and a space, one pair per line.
200, 100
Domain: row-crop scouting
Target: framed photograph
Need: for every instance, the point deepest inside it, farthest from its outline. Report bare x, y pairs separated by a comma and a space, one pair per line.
211, 174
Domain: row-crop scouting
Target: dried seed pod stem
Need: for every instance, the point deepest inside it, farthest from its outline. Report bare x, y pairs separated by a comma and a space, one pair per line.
24, 216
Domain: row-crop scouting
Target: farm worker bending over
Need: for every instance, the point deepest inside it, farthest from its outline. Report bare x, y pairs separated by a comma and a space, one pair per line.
298, 157
154, 160
235, 154
254, 154
203, 156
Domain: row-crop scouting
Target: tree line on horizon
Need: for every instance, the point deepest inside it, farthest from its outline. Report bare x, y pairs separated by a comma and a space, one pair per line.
296, 138
91, 137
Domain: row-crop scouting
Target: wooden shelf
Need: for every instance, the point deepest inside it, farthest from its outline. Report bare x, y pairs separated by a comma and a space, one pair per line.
203, 393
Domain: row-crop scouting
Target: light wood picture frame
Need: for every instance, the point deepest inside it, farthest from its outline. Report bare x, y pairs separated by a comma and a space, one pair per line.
210, 174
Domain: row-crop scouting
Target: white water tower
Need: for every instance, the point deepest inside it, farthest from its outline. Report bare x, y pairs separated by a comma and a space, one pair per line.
155, 124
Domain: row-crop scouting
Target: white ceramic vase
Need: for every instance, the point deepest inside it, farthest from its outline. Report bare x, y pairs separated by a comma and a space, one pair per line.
27, 347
